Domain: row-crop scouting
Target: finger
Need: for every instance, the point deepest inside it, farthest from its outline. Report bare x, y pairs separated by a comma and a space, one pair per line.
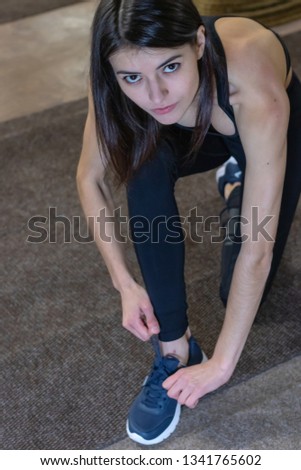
183, 396
191, 401
139, 330
177, 390
151, 321
142, 330
172, 380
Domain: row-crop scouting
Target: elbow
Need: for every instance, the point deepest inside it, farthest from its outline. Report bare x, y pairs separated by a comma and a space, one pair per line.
90, 183
258, 261
80, 176
85, 176
82, 171
262, 263
84, 182
80, 179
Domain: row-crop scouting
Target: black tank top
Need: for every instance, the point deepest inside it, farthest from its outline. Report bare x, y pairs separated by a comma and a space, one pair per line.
216, 147
222, 82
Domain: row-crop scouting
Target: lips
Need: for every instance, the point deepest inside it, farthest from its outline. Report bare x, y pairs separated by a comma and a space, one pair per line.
166, 110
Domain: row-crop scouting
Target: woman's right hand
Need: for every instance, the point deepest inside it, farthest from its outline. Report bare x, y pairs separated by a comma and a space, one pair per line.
137, 312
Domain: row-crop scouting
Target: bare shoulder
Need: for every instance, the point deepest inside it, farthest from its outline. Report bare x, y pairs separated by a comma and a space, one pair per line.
255, 58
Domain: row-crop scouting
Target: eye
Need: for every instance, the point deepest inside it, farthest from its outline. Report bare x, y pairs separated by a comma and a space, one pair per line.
132, 79
171, 67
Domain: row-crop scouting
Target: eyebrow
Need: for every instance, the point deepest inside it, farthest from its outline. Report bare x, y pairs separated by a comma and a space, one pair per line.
126, 72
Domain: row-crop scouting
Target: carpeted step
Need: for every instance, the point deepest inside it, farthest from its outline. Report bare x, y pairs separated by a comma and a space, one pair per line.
269, 12
12, 10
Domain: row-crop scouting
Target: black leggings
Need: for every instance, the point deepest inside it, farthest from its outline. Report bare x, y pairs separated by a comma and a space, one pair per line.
153, 209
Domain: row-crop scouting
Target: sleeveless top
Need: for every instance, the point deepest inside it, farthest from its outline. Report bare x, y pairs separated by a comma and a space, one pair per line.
218, 147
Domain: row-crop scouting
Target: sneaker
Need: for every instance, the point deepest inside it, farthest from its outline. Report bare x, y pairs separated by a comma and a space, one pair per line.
154, 416
229, 172
196, 355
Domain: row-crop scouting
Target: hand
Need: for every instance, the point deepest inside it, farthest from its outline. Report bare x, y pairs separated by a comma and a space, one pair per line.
189, 384
138, 313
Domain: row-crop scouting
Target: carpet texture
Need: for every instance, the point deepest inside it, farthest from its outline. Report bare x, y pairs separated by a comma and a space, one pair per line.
70, 370
12, 10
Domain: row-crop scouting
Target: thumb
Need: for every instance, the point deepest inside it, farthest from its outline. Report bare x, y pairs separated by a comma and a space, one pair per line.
151, 321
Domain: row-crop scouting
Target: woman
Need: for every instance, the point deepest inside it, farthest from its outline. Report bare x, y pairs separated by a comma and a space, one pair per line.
173, 94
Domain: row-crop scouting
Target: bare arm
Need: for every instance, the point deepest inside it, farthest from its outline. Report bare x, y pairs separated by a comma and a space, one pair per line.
262, 113
262, 120
96, 198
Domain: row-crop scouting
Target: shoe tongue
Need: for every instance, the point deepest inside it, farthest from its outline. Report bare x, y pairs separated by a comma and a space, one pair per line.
171, 363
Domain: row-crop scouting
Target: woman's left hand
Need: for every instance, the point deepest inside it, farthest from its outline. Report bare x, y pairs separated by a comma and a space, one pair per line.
189, 384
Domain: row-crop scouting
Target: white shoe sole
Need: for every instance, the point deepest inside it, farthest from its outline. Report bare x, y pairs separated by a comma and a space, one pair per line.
164, 435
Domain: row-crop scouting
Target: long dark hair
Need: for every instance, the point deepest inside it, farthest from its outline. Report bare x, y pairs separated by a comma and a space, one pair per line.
126, 134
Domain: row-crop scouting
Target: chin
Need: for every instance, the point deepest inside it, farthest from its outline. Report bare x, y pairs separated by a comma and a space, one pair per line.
166, 120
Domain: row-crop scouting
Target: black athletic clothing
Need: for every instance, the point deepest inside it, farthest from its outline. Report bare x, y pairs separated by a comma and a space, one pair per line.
151, 201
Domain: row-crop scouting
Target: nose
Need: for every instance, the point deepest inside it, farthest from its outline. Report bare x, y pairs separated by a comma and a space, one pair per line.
157, 91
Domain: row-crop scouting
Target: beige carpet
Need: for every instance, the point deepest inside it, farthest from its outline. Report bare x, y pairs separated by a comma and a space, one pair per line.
13, 10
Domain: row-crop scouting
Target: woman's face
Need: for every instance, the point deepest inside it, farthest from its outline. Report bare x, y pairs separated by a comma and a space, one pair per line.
163, 82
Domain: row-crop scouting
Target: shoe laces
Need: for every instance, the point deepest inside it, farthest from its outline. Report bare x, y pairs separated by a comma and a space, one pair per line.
155, 395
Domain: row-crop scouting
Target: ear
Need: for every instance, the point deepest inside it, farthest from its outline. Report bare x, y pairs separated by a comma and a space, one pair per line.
200, 42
